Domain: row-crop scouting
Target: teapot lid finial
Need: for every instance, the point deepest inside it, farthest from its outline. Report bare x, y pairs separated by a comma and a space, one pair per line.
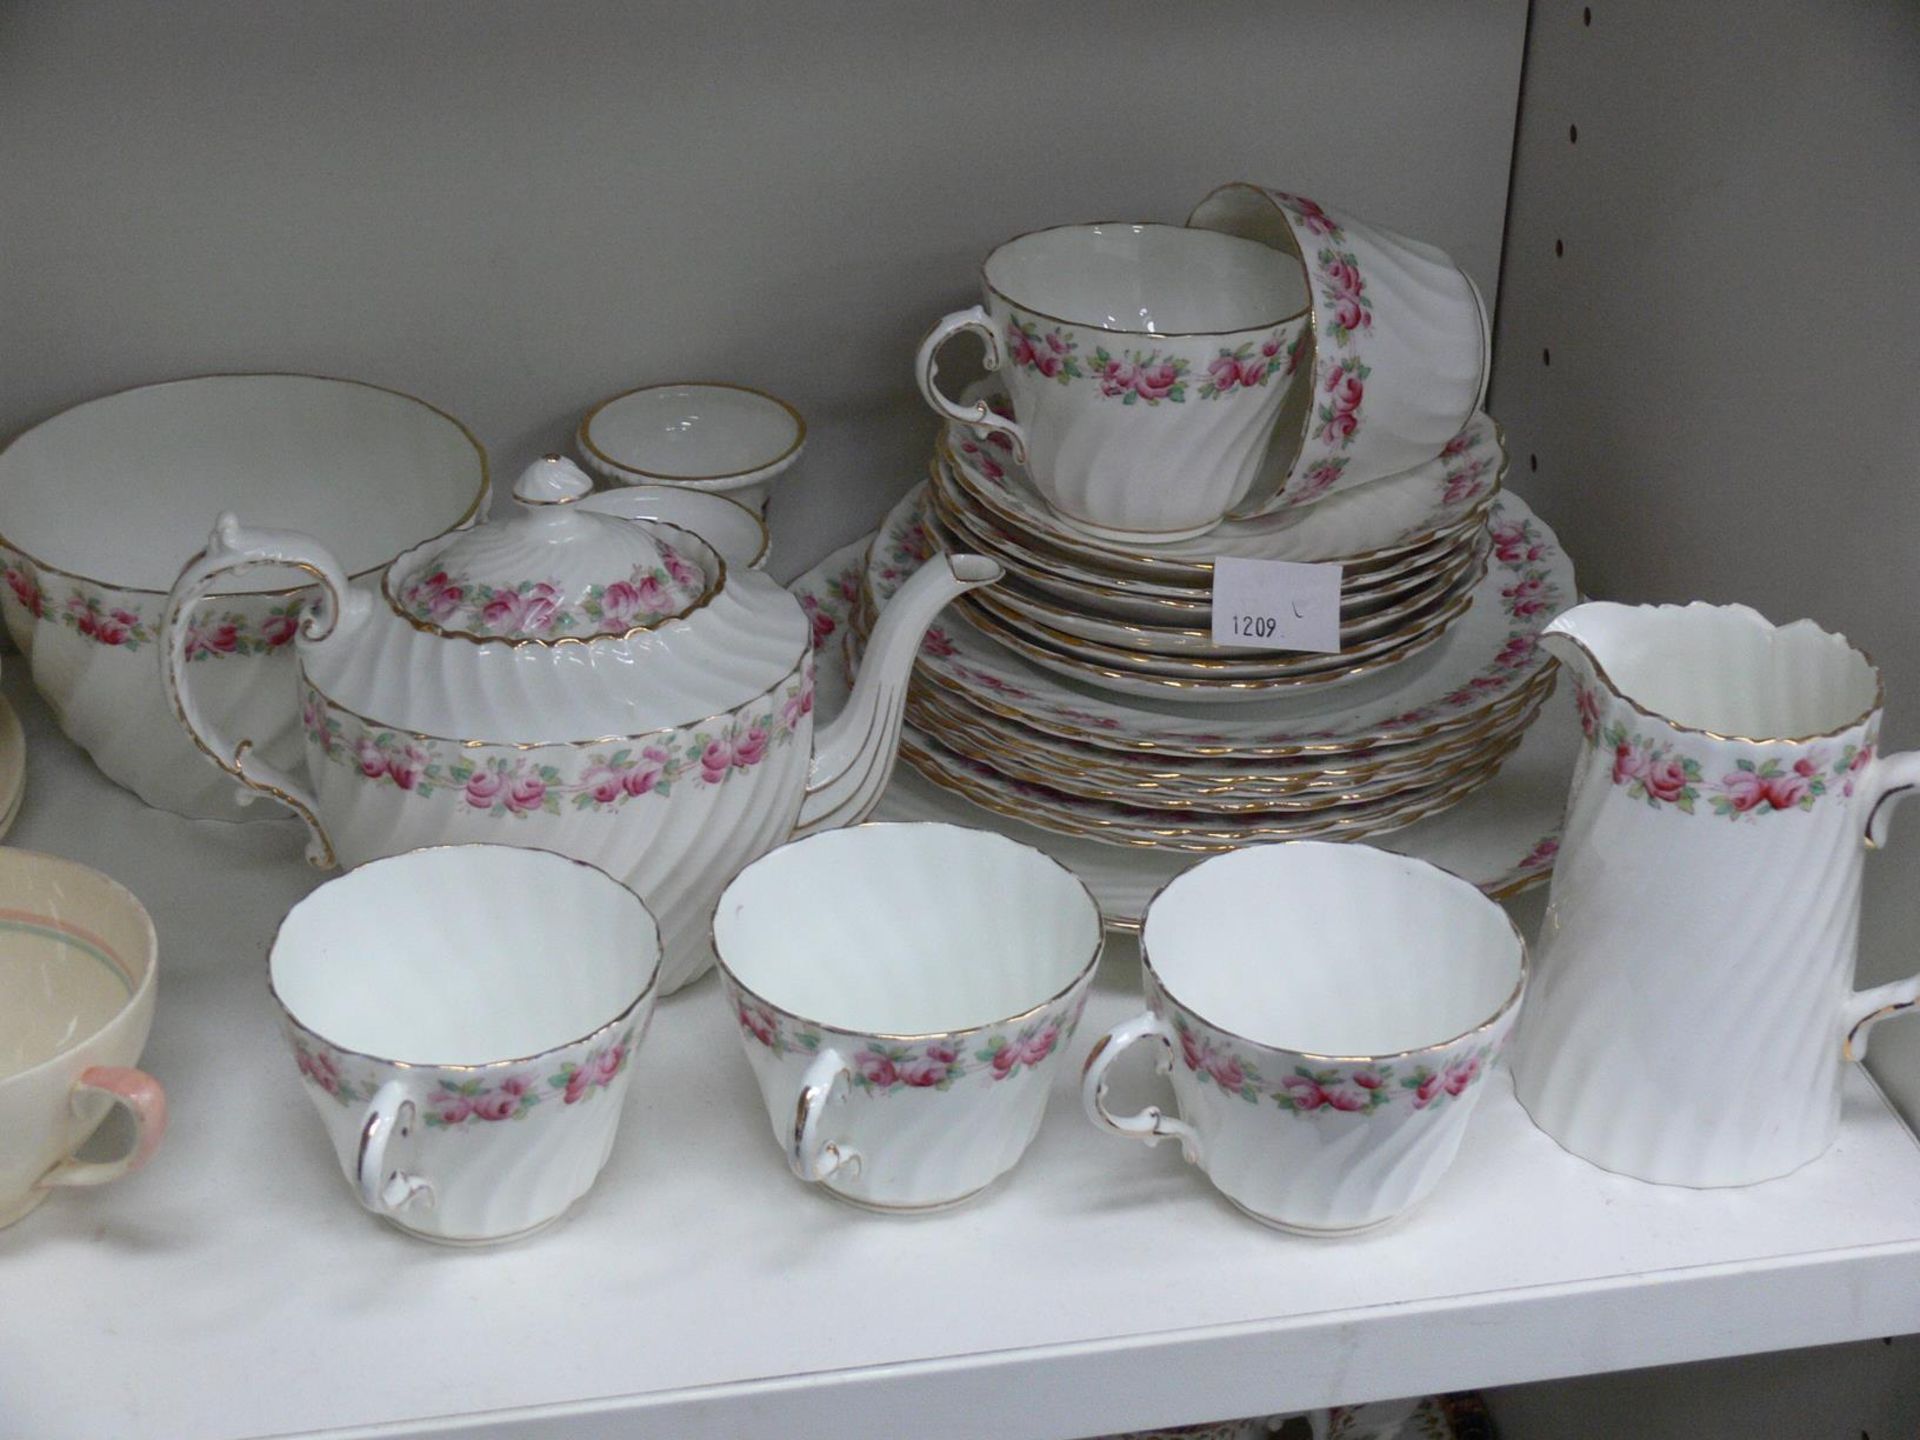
552, 480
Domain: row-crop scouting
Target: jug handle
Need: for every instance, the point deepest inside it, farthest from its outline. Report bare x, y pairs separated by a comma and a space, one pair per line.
1889, 780
231, 549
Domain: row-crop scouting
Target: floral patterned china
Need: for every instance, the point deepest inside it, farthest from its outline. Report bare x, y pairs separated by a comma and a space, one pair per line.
1367, 995
1032, 769
78, 961
1705, 914
1400, 345
1232, 677
1492, 654
1146, 365
100, 506
1503, 837
470, 1098
608, 688
906, 1065
1360, 527
710, 436
1377, 810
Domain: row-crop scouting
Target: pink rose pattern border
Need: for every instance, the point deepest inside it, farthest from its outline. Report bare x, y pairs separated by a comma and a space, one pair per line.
880, 1068
485, 1097
1329, 1089
539, 608
102, 620
516, 784
1147, 377
1665, 776
1529, 598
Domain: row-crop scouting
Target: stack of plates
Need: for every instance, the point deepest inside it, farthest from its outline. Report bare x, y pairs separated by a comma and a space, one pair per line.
1136, 621
1024, 725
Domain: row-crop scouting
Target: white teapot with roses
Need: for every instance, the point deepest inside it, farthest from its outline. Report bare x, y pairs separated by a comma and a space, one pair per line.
620, 691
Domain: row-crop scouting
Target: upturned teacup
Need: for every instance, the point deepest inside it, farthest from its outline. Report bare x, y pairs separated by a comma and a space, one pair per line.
1330, 1013
77, 968
465, 1020
904, 994
1146, 365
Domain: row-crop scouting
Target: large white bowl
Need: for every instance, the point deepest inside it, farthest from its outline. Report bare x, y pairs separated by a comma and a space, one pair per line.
101, 506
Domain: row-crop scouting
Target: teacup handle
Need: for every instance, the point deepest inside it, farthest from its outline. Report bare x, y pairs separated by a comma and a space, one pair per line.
1151, 1124
140, 1095
390, 1115
1888, 780
812, 1158
232, 549
927, 366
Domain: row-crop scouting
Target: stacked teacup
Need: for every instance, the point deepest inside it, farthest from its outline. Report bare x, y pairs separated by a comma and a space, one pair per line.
1276, 401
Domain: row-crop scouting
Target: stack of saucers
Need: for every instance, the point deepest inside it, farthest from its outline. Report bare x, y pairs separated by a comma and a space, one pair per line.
1389, 748
1135, 619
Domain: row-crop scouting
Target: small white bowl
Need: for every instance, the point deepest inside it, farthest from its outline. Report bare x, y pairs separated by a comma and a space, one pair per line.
708, 435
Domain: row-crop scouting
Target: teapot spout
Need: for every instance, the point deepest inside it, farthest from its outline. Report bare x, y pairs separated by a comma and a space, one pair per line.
853, 756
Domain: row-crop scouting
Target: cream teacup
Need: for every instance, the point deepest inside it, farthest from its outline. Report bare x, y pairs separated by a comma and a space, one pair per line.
1146, 365
1330, 1013
904, 993
77, 965
465, 1019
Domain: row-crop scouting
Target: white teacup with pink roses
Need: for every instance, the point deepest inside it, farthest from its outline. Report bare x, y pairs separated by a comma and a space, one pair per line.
1146, 365
1329, 1013
904, 995
470, 1095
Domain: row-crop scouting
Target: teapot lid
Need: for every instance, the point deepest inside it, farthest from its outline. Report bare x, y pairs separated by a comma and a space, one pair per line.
551, 572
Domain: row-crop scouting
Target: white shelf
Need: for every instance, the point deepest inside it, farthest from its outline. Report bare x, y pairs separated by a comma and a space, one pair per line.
236, 1289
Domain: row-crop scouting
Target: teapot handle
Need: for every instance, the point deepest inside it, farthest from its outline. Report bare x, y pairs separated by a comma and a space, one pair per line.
232, 549
1888, 780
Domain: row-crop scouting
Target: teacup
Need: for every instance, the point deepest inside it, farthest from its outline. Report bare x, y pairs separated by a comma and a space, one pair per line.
465, 1020
1331, 1012
77, 965
1146, 365
1400, 347
720, 438
904, 993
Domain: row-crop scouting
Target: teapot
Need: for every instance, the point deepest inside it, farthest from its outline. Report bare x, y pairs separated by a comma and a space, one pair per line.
618, 690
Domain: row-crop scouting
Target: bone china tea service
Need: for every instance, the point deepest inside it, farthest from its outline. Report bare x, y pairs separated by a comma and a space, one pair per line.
1146, 364
77, 971
573, 755
1330, 1013
467, 1052
905, 1064
563, 678
1704, 915
100, 505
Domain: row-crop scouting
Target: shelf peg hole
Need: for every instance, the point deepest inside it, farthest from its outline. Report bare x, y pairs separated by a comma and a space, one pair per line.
1586, 15
1573, 134
1546, 357
1559, 248
1533, 462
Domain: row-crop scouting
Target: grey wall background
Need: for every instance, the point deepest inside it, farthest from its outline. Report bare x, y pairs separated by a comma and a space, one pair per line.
512, 209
